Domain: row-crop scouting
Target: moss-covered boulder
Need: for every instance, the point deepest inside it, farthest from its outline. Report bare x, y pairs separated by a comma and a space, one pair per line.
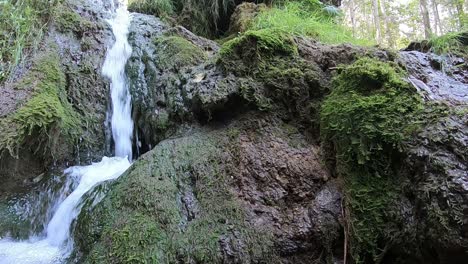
382, 132
173, 205
250, 192
46, 126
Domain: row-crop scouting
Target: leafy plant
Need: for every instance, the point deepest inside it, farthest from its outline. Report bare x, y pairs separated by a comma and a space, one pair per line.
450, 43
22, 23
307, 18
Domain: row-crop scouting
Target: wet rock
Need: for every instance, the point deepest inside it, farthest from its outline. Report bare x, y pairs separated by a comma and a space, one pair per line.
442, 79
247, 190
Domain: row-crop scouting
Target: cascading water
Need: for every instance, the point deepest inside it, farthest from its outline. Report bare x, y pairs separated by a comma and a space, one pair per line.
114, 68
57, 243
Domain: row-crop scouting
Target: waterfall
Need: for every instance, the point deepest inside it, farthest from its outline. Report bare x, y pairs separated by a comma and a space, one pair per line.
57, 243
114, 68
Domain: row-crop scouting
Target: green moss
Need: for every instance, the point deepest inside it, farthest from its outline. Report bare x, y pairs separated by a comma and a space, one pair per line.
370, 110
46, 116
290, 86
174, 52
157, 8
67, 20
173, 205
368, 115
259, 44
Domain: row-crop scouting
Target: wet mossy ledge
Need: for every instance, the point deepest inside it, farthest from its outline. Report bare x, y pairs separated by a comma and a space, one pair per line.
47, 120
174, 205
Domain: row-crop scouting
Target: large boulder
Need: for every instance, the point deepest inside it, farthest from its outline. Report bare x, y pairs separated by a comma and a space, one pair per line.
252, 191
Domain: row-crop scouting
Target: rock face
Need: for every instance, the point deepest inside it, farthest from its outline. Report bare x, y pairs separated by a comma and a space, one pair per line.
436, 165
238, 162
247, 192
245, 159
250, 112
45, 113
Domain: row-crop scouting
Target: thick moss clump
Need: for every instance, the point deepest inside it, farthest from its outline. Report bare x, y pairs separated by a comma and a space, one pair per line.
368, 115
257, 45
47, 117
174, 52
172, 206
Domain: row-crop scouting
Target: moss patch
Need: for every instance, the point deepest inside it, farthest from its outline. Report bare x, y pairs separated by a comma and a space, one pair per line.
173, 205
44, 118
174, 52
368, 115
67, 20
258, 45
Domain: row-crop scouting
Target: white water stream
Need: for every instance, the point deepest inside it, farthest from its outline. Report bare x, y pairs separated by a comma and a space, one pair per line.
57, 244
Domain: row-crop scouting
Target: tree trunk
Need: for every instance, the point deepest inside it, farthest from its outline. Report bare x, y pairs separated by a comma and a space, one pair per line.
426, 20
388, 32
375, 14
460, 13
437, 24
352, 16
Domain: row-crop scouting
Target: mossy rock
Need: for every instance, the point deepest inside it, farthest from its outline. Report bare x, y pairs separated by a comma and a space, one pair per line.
173, 205
47, 117
370, 109
292, 86
369, 114
174, 52
66, 20
256, 45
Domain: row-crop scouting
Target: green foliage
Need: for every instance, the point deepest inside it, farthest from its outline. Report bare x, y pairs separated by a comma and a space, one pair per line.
175, 52
22, 23
306, 18
203, 17
453, 42
154, 7
369, 113
46, 116
173, 205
